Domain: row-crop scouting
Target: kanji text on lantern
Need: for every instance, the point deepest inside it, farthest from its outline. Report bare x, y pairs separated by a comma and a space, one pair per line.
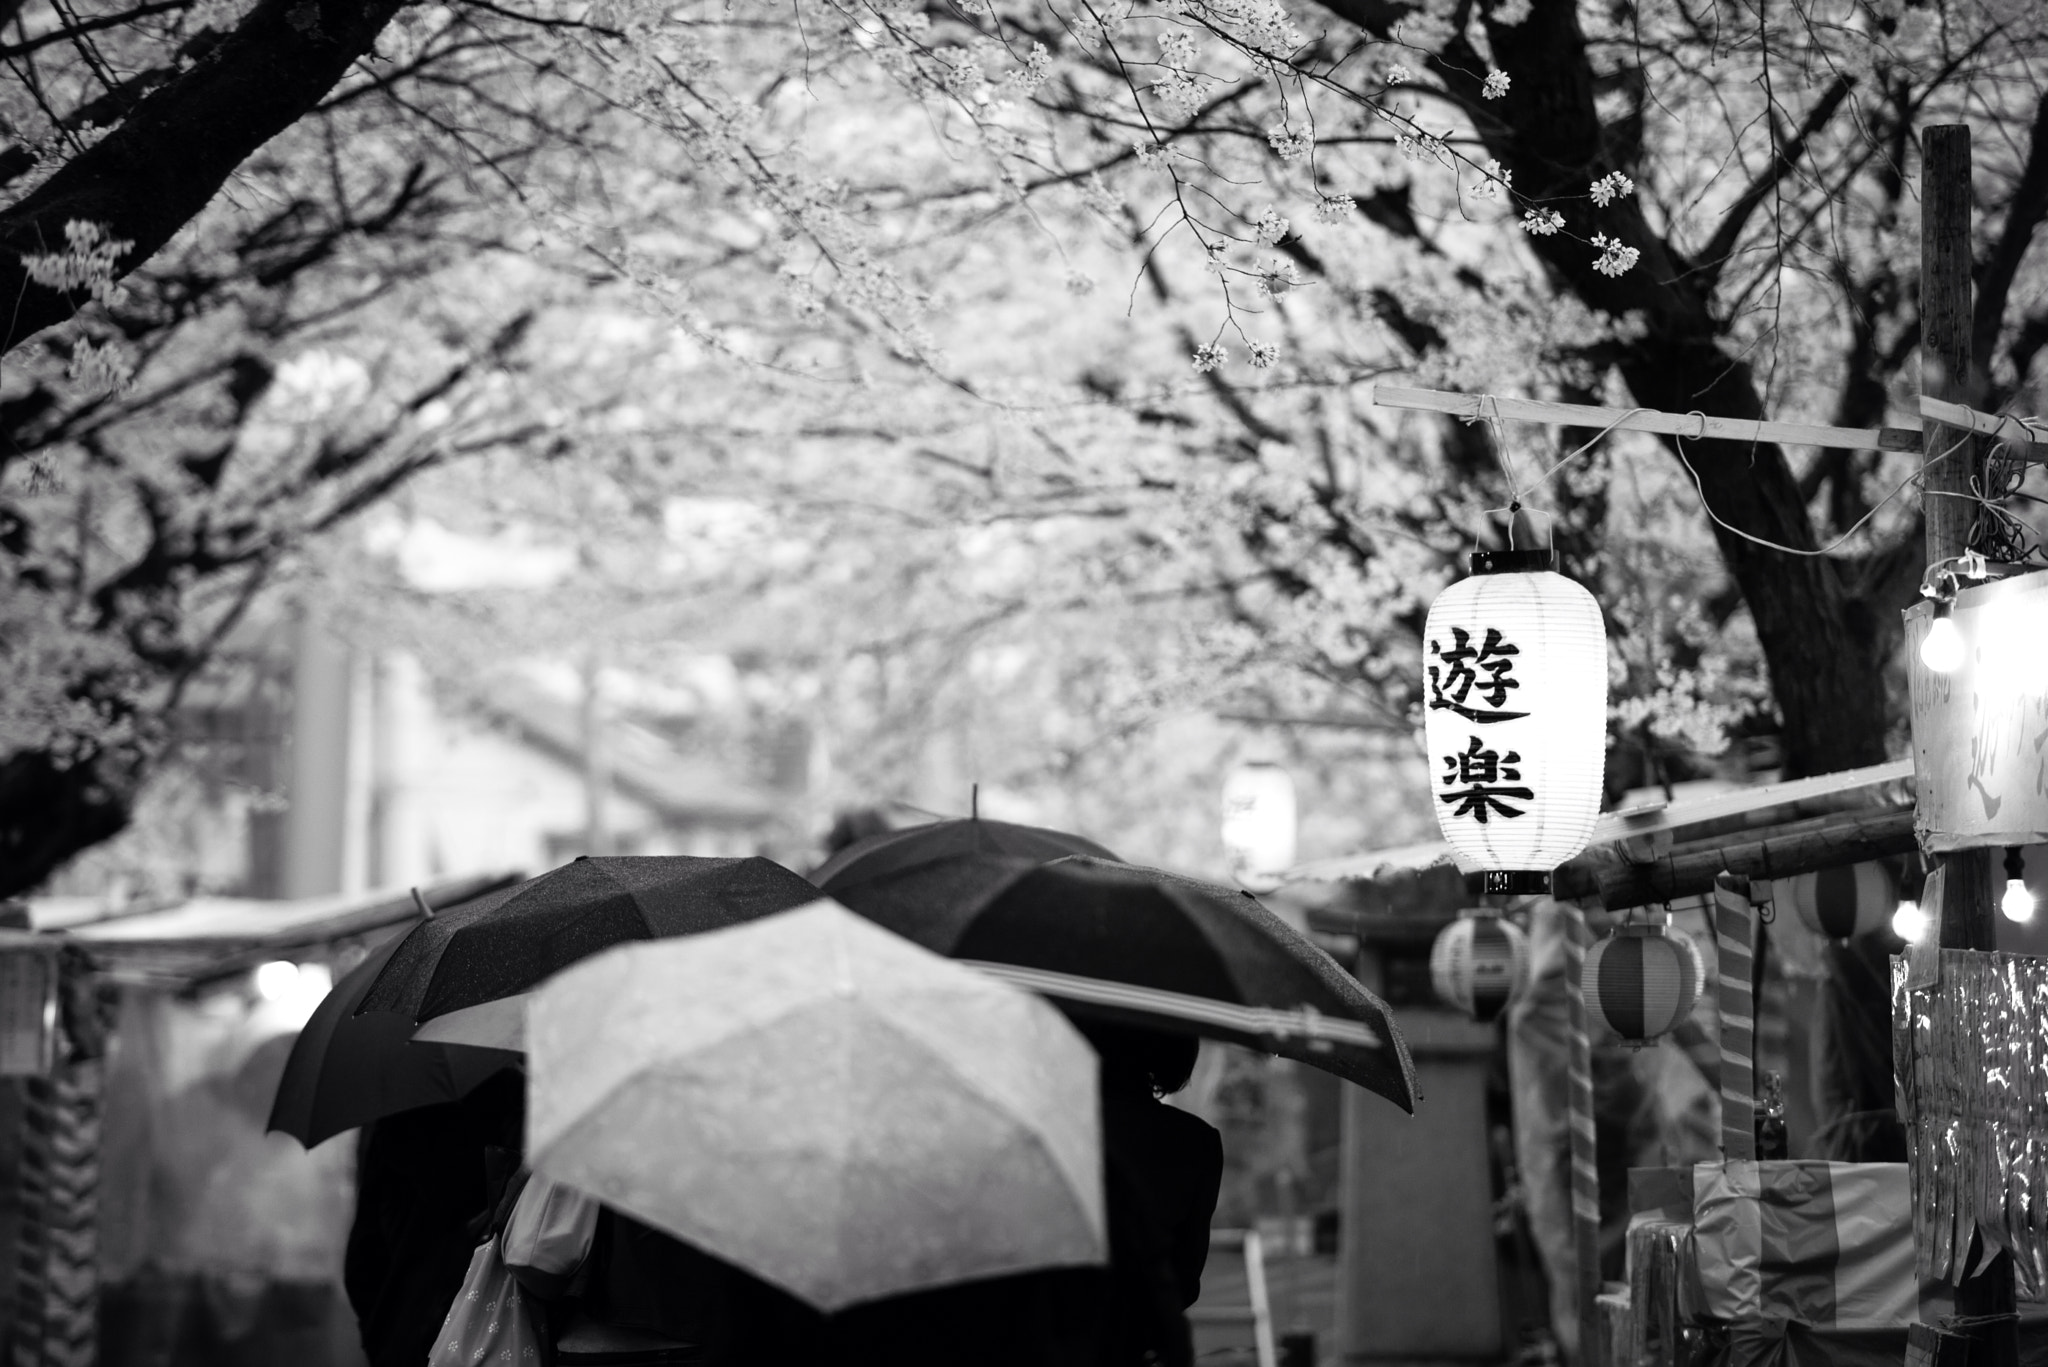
1464, 670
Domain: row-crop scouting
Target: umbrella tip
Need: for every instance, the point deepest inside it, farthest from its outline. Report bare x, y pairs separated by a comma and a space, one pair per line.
974, 802
421, 903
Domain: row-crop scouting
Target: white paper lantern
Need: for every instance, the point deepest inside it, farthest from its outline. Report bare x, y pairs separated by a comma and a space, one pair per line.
1480, 964
1259, 824
1515, 698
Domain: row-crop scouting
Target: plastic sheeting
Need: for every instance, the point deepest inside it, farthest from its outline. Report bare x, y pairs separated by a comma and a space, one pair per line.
1970, 1039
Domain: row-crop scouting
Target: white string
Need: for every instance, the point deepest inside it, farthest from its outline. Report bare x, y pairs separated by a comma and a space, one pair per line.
1678, 441
1545, 476
1500, 447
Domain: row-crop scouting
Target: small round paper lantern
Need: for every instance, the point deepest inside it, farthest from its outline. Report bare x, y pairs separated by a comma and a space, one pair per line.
1259, 824
1515, 715
1480, 964
1642, 980
1844, 902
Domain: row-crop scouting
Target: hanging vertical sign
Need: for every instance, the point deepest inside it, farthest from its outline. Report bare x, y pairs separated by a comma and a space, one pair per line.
28, 1005
1515, 699
1980, 766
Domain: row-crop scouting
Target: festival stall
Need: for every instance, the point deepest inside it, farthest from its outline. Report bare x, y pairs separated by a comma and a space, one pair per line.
154, 1221
1813, 848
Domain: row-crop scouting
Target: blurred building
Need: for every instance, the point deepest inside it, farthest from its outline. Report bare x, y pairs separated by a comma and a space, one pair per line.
311, 768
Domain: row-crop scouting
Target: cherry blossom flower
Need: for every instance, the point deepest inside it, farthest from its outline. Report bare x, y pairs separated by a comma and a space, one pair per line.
1334, 208
1496, 85
1610, 187
1209, 356
1289, 146
1541, 222
1615, 259
1270, 226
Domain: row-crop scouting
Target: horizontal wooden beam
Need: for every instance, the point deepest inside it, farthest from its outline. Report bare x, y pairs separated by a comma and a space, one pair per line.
2001, 426
1688, 870
1477, 407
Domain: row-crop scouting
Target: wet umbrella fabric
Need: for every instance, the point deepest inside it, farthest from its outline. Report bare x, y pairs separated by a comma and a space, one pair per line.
1090, 919
822, 1104
347, 1070
508, 941
899, 851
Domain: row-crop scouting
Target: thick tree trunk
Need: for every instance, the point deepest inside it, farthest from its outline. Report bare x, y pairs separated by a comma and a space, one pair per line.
49, 812
1824, 675
1823, 668
175, 149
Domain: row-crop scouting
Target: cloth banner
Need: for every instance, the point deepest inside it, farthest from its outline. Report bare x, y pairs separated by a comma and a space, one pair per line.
1820, 1243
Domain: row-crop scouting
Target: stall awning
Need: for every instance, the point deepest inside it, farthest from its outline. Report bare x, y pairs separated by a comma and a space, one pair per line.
207, 938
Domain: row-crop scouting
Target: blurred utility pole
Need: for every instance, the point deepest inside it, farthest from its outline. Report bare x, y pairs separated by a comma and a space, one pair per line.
1949, 506
596, 777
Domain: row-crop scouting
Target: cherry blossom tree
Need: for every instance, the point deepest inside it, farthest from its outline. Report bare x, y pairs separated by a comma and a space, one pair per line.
1092, 296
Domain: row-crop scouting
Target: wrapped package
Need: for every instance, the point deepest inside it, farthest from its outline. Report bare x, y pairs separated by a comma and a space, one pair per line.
1821, 1243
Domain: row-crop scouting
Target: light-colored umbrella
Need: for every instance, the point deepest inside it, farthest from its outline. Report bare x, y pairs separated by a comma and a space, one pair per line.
822, 1103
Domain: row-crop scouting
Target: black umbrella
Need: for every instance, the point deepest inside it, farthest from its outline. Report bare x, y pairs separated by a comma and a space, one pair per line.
894, 852
347, 1070
1151, 947
507, 942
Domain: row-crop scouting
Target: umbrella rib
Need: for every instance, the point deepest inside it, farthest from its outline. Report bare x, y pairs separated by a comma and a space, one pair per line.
1271, 1022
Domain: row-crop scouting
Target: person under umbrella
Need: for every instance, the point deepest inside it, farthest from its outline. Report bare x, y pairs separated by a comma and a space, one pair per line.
425, 1181
901, 851
828, 1145
348, 1070
1145, 946
427, 1176
507, 942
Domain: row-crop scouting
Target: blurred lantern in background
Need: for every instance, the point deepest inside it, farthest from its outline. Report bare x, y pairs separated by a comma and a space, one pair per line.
1642, 980
1259, 824
1480, 963
1515, 688
1844, 902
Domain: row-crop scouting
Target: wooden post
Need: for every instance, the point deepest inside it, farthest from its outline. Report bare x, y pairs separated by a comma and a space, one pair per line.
1585, 1172
1950, 509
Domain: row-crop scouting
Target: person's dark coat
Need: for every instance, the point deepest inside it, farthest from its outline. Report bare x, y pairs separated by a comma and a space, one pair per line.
423, 1195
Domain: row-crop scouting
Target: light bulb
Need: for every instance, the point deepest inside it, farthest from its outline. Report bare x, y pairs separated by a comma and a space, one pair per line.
2017, 903
1909, 923
1941, 650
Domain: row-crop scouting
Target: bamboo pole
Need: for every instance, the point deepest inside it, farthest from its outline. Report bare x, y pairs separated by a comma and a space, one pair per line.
1688, 870
1477, 407
1984, 1303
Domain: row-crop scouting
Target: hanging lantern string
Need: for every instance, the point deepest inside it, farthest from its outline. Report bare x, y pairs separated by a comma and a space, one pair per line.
1491, 409
1678, 440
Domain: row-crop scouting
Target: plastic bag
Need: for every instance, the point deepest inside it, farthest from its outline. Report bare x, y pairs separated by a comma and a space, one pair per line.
491, 1323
